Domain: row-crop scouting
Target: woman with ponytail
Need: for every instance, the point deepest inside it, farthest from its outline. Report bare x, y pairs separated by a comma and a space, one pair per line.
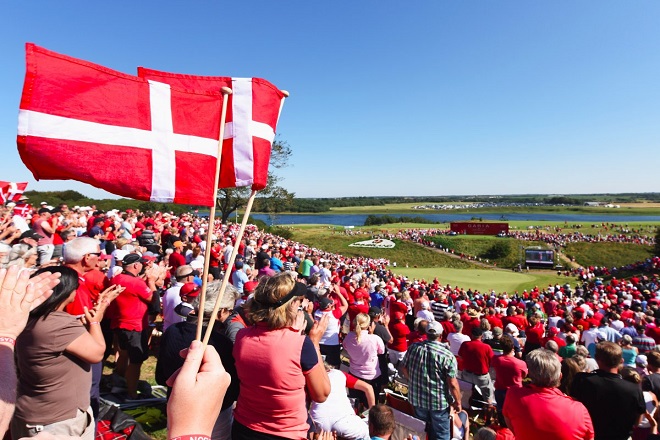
363, 347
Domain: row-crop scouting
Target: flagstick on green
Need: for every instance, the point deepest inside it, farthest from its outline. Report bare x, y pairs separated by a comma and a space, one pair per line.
226, 91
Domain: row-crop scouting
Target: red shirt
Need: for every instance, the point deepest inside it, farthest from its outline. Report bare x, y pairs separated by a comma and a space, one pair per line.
469, 325
546, 413
130, 307
509, 372
400, 333
476, 357
83, 299
354, 310
653, 332
534, 334
176, 260
96, 282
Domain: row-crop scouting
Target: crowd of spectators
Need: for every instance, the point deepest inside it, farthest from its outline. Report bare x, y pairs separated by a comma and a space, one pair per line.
298, 326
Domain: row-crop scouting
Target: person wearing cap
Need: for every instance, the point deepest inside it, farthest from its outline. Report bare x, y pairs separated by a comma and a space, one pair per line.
399, 345
274, 355
614, 404
431, 372
239, 277
176, 258
539, 410
128, 313
187, 293
45, 229
182, 275
511, 332
476, 357
179, 336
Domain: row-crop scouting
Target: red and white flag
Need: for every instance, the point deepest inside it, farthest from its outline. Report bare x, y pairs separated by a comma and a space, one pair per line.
127, 135
23, 209
11, 191
253, 110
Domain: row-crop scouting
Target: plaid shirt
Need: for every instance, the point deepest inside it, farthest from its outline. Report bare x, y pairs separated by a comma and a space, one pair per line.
429, 364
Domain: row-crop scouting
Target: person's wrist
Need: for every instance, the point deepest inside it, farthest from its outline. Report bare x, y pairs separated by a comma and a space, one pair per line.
191, 437
8, 341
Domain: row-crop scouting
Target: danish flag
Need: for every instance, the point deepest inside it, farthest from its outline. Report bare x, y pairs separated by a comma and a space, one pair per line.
252, 113
131, 136
11, 191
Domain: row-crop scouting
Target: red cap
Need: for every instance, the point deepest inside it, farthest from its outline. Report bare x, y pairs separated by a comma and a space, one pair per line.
553, 331
250, 286
398, 316
191, 290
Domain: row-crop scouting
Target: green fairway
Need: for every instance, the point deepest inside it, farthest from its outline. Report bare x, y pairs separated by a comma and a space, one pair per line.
485, 279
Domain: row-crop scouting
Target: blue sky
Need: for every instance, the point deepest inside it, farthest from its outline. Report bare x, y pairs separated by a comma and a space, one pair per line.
438, 97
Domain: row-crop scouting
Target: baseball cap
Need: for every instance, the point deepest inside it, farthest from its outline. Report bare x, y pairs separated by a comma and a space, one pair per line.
177, 244
375, 311
30, 233
250, 286
325, 303
132, 258
433, 328
398, 316
497, 331
183, 271
190, 290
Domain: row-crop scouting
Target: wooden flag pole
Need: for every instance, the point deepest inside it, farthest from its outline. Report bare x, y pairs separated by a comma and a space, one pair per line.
230, 264
226, 91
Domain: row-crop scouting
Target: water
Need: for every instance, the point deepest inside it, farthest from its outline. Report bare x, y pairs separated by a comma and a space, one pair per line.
358, 219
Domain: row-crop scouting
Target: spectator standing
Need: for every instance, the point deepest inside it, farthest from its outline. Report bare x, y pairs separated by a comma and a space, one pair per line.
431, 370
476, 357
539, 410
615, 405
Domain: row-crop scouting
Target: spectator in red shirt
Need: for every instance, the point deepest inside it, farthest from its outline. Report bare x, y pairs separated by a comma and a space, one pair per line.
399, 344
177, 259
129, 314
476, 357
534, 334
509, 373
540, 410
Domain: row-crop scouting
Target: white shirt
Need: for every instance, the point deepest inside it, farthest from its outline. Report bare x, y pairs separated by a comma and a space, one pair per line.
171, 299
425, 314
455, 341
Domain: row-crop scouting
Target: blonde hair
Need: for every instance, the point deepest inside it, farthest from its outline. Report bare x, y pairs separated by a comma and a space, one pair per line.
362, 322
269, 291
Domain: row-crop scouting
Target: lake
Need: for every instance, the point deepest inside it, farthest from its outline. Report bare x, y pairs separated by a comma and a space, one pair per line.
358, 219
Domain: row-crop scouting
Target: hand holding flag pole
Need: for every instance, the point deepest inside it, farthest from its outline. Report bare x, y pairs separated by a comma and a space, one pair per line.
226, 91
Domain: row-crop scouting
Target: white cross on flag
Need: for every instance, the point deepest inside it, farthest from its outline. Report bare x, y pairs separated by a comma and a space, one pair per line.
252, 113
127, 135
11, 191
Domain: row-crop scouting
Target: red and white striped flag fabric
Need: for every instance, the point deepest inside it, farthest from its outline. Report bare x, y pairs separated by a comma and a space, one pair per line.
22, 209
127, 135
253, 110
11, 191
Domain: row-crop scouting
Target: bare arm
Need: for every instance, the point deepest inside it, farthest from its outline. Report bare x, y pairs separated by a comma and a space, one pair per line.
368, 390
317, 381
455, 392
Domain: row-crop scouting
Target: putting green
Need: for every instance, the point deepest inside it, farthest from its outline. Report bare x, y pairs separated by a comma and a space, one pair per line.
485, 279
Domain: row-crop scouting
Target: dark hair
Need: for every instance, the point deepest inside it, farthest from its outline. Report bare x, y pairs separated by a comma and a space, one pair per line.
507, 345
68, 283
381, 420
653, 358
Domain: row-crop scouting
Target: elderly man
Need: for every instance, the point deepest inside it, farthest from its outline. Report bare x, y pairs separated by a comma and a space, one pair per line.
539, 410
431, 370
183, 274
615, 405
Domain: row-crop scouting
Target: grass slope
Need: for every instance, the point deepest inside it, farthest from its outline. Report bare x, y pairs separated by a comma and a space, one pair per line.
607, 254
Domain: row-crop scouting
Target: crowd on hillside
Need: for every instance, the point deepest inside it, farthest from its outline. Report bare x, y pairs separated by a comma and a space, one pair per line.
298, 326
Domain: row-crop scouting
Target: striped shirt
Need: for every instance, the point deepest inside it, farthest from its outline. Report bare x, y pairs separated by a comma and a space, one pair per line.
439, 309
429, 364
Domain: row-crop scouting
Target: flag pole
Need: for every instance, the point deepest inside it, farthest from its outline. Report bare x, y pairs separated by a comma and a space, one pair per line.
230, 264
226, 91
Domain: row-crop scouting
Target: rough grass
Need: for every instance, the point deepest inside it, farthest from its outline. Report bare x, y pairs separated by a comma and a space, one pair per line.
607, 254
404, 253
486, 279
